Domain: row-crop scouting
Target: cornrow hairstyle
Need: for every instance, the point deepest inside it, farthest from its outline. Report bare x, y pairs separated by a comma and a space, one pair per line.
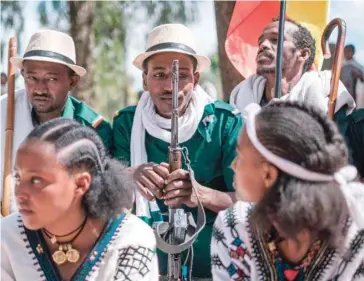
303, 39
305, 136
80, 148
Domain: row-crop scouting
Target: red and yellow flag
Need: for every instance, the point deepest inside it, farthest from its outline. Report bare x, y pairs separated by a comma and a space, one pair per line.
250, 17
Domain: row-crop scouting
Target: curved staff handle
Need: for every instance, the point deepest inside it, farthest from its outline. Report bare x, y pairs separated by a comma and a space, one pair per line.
9, 131
337, 63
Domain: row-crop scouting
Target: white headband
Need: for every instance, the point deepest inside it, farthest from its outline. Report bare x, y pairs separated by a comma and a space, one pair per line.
286, 166
353, 191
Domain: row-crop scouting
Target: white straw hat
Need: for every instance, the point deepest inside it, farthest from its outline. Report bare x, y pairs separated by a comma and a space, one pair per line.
171, 38
51, 46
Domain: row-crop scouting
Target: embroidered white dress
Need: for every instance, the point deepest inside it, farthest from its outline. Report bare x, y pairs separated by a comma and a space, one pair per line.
238, 254
124, 251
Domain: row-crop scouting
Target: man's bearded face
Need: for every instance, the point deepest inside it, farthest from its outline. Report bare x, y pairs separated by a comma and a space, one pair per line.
268, 44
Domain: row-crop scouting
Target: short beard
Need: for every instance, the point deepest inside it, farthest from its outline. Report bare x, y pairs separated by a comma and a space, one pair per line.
47, 109
266, 70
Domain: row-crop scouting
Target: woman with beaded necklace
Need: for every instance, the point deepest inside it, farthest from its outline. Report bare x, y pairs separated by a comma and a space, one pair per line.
73, 221
300, 214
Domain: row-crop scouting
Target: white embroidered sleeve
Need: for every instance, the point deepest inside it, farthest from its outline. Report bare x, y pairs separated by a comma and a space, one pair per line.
359, 274
228, 253
137, 263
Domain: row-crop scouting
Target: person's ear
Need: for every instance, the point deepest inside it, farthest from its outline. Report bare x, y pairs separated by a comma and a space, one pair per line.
82, 182
74, 81
270, 175
304, 54
145, 85
196, 77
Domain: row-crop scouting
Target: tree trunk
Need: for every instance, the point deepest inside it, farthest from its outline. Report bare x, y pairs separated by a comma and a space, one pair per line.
81, 19
230, 76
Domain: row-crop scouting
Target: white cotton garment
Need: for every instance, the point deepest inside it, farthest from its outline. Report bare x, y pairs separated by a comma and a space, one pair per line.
312, 89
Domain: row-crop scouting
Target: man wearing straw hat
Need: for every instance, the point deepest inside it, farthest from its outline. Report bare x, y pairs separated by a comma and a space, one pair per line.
207, 128
50, 73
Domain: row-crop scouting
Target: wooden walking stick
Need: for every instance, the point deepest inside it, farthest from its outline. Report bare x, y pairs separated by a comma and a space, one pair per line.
337, 62
9, 130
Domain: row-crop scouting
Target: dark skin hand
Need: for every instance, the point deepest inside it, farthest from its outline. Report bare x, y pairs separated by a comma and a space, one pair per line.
179, 190
150, 179
155, 181
175, 188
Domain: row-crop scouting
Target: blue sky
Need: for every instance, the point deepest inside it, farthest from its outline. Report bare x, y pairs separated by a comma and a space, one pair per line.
353, 13
205, 30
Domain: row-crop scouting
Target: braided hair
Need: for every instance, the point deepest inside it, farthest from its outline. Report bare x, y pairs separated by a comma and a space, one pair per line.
305, 136
80, 148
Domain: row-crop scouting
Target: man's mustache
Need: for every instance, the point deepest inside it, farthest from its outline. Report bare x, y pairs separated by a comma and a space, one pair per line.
167, 93
187, 90
266, 53
41, 95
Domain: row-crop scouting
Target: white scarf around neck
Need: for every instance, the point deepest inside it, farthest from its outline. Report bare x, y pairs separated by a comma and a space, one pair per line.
146, 119
313, 89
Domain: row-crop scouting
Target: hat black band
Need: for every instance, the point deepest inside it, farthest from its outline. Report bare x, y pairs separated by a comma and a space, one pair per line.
49, 54
177, 46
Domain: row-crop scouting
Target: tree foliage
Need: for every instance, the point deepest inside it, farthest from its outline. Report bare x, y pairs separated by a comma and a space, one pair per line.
54, 14
114, 25
11, 19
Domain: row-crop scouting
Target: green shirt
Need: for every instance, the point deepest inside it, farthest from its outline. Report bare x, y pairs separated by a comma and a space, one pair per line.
211, 151
80, 111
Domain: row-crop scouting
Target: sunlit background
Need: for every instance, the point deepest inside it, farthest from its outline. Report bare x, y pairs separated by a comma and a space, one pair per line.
120, 34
